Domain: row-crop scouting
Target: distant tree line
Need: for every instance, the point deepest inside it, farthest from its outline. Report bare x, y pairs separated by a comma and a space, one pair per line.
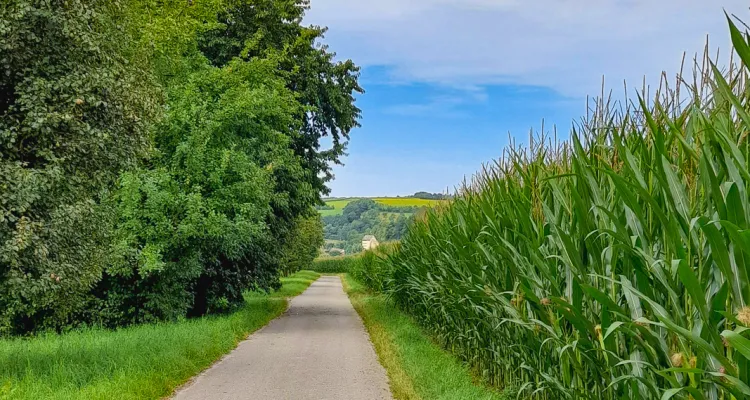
431, 196
399, 209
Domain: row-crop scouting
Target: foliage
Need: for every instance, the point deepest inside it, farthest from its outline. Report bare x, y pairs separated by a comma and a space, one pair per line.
193, 232
614, 266
140, 362
159, 158
430, 196
373, 269
369, 267
334, 265
73, 114
398, 209
366, 217
303, 244
324, 87
354, 210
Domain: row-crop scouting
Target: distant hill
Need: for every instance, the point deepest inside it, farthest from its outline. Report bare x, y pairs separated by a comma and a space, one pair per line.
347, 220
335, 205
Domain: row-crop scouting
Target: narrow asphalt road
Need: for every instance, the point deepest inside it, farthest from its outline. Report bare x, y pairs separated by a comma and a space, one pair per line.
318, 350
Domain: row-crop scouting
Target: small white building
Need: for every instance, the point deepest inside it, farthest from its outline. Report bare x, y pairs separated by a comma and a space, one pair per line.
369, 242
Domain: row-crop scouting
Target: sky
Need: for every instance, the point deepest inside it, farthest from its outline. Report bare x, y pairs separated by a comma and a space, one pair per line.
449, 82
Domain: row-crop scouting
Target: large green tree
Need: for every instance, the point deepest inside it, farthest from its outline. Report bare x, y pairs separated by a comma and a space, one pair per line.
222, 204
325, 87
73, 113
192, 229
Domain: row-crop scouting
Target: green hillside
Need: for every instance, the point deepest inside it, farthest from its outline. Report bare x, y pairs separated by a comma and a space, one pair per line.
347, 220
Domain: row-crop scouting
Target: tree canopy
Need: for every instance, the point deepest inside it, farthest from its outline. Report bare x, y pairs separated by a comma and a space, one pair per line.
73, 113
160, 157
325, 88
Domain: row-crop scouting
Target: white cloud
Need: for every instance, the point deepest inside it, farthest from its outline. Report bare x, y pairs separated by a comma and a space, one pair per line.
445, 105
563, 44
439, 106
395, 175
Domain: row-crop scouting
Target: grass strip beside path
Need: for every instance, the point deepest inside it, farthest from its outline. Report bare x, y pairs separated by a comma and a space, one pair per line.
417, 368
139, 362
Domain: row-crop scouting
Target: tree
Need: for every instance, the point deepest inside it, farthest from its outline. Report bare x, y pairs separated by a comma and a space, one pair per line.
303, 245
354, 209
326, 88
194, 231
74, 112
430, 196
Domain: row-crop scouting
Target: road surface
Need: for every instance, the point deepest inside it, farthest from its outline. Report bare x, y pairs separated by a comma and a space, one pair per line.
317, 350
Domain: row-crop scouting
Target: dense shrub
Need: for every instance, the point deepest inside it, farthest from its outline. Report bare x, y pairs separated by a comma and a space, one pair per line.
612, 267
192, 232
334, 265
368, 267
303, 244
73, 113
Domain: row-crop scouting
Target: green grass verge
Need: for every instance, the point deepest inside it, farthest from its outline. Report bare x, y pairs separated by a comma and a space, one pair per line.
140, 362
417, 368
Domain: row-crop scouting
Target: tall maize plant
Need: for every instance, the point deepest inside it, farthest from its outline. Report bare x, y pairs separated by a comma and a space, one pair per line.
612, 266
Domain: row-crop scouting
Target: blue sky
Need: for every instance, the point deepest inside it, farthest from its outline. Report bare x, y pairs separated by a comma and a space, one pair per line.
447, 81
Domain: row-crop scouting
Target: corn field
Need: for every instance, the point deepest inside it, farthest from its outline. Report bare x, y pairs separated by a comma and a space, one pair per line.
611, 266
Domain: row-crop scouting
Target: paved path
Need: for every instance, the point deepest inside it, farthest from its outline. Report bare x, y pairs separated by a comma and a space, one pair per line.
318, 350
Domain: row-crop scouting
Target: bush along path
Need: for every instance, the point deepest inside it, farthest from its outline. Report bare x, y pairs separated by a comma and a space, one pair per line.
140, 362
318, 350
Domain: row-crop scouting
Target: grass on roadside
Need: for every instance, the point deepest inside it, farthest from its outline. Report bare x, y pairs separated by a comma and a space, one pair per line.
140, 362
417, 368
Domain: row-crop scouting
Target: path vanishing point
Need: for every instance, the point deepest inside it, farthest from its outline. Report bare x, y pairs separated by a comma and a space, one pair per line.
317, 350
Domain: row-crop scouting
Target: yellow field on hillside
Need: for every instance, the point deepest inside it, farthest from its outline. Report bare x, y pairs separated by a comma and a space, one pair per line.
406, 201
339, 204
